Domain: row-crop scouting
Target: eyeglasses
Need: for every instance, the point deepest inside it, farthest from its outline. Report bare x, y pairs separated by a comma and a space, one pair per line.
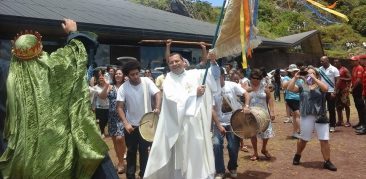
255, 78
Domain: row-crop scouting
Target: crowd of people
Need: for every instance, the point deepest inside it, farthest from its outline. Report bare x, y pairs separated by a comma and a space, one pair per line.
195, 104
309, 93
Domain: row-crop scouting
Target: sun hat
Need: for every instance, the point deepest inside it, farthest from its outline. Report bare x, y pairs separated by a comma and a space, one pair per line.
292, 68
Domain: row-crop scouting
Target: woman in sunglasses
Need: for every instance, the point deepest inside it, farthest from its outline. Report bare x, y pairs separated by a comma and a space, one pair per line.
261, 97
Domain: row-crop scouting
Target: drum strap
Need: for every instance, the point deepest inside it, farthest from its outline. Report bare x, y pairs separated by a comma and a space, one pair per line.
145, 94
227, 101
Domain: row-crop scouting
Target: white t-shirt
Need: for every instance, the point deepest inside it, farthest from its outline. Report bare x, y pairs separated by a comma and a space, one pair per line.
230, 90
133, 98
332, 72
99, 102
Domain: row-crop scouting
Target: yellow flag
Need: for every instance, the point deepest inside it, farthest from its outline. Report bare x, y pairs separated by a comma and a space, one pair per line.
243, 37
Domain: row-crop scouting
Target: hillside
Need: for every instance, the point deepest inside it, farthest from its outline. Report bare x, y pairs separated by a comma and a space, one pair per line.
285, 17
282, 17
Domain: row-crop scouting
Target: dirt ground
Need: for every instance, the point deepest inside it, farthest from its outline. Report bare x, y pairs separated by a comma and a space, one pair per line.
348, 153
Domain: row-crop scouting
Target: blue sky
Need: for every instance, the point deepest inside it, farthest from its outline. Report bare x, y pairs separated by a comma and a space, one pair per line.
215, 2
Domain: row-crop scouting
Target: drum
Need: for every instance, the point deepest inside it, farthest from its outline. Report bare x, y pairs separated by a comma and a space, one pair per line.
148, 124
249, 125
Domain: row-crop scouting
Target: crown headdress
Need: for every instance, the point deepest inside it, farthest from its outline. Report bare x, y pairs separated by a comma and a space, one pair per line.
28, 52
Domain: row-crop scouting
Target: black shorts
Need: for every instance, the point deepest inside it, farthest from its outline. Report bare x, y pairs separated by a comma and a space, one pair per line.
293, 104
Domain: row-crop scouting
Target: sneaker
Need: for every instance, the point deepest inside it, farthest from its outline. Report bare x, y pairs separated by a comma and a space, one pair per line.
357, 125
329, 165
332, 129
296, 160
288, 120
219, 176
233, 174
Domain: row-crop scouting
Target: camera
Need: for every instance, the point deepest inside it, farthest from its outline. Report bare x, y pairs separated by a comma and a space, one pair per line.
303, 71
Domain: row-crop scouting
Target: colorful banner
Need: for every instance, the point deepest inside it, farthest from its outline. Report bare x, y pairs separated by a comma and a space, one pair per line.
238, 32
328, 10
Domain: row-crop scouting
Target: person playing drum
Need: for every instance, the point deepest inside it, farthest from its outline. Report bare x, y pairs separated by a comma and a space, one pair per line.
226, 103
260, 96
132, 96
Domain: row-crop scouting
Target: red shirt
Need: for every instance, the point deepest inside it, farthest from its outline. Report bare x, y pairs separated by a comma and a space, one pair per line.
364, 82
357, 72
343, 74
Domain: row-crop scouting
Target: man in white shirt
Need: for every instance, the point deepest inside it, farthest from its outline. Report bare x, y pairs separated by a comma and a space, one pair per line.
135, 97
331, 79
226, 103
182, 146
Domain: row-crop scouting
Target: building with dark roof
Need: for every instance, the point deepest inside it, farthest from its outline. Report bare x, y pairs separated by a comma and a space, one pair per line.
121, 24
303, 49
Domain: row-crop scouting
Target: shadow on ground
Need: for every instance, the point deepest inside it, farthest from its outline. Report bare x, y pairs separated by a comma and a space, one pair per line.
314, 165
254, 174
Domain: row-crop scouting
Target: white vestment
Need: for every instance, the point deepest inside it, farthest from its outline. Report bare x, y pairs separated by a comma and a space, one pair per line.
182, 146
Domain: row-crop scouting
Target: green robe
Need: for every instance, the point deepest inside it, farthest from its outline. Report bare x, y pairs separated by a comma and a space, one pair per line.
50, 128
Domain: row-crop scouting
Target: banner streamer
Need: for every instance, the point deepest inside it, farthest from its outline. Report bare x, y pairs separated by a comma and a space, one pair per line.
243, 37
317, 13
328, 10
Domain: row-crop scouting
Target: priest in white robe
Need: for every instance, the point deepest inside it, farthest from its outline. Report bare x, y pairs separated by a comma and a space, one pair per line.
182, 147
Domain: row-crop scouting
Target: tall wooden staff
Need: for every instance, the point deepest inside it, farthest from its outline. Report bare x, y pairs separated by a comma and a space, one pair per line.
214, 39
174, 41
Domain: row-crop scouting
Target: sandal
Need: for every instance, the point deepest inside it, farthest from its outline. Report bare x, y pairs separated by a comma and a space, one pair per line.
254, 158
266, 154
244, 148
347, 124
121, 170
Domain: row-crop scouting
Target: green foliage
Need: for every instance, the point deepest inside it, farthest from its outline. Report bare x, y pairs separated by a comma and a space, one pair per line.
157, 4
346, 6
281, 22
204, 11
358, 20
338, 35
276, 19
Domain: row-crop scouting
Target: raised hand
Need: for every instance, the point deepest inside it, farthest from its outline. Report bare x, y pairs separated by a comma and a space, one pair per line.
69, 25
168, 42
203, 45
